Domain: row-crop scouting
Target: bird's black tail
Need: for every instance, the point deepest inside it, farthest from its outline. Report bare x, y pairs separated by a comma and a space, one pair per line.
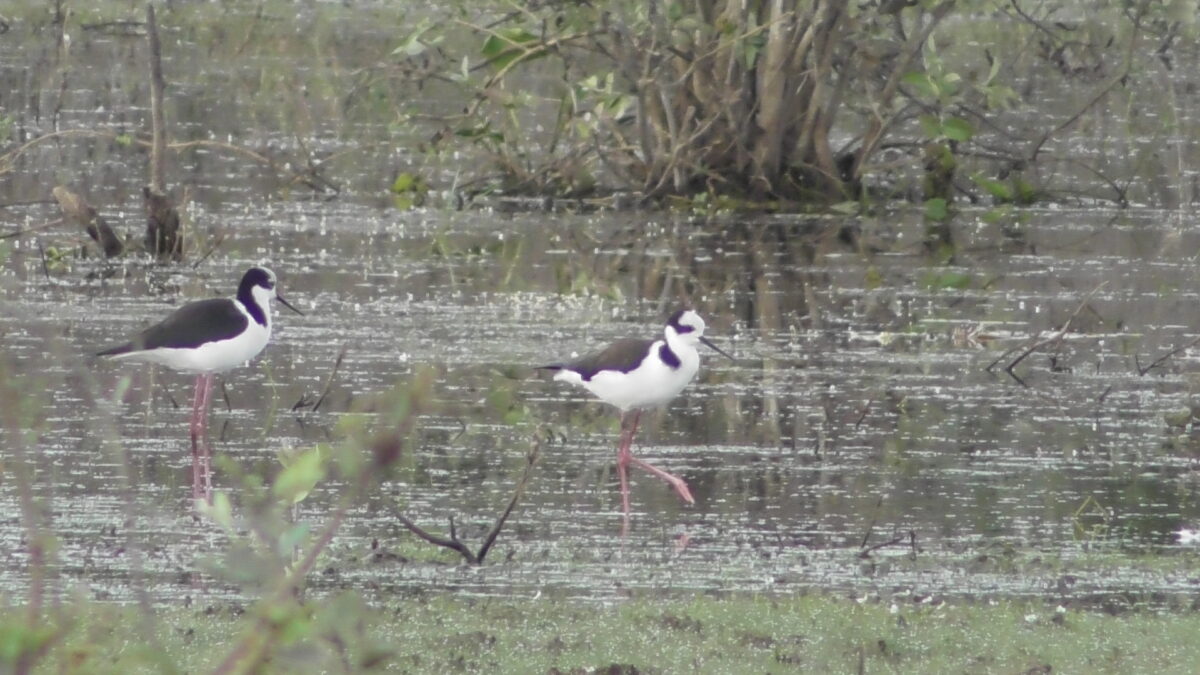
118, 349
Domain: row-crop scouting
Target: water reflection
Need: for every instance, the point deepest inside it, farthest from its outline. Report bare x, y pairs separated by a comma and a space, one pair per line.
826, 432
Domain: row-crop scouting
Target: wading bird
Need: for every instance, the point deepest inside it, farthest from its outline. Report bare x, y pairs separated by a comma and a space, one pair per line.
208, 337
634, 375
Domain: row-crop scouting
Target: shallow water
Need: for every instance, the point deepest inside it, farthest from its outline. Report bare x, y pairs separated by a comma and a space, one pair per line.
862, 405
814, 441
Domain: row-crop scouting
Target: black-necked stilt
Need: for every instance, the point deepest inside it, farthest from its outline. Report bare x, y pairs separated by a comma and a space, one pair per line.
207, 337
634, 375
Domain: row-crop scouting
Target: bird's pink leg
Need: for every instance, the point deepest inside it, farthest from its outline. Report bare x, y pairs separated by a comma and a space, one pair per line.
196, 431
623, 457
207, 467
201, 452
673, 480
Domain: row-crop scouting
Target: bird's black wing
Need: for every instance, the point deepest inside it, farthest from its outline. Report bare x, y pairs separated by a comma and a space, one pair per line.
623, 355
189, 326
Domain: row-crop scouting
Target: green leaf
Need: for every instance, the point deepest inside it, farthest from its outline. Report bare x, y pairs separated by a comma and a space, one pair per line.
122, 388
930, 126
957, 129
292, 537
937, 209
997, 214
1026, 192
505, 46
480, 132
996, 188
301, 475
993, 71
412, 44
405, 182
219, 512
500, 397
408, 190
952, 280
19, 640
873, 278
922, 83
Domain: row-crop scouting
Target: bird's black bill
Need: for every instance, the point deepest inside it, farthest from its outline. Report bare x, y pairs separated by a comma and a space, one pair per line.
718, 349
288, 304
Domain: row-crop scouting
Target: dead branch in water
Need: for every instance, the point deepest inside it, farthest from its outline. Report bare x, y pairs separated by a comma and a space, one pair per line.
1036, 344
329, 381
163, 237
76, 209
1160, 360
305, 175
911, 536
162, 225
453, 542
158, 123
35, 228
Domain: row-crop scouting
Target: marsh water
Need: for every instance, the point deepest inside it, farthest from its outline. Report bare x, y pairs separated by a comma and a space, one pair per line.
868, 403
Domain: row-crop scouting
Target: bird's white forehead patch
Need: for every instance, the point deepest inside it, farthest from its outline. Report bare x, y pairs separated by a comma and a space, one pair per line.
690, 318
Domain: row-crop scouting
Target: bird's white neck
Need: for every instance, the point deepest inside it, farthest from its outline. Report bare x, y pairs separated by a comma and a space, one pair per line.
678, 343
262, 297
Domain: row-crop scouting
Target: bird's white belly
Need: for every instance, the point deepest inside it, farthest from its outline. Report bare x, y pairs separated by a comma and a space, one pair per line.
651, 384
210, 357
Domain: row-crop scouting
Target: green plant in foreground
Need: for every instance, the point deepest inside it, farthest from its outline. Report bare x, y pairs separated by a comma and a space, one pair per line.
268, 555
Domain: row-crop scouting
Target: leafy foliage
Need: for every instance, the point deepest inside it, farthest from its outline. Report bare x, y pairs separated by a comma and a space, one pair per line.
780, 104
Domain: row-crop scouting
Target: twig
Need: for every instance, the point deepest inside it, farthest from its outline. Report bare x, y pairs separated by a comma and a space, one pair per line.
1005, 355
1116, 79
453, 543
530, 461
866, 409
31, 202
7, 159
1054, 338
158, 124
329, 380
45, 266
456, 544
35, 228
871, 525
1159, 361
211, 249
167, 391
302, 402
911, 536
